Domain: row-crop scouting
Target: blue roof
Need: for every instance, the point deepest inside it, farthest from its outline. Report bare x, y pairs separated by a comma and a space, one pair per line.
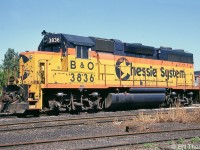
79, 40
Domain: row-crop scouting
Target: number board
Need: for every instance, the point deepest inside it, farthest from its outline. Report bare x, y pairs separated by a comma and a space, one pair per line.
53, 39
81, 71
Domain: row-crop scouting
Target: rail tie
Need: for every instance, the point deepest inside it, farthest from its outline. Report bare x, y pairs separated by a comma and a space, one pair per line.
95, 137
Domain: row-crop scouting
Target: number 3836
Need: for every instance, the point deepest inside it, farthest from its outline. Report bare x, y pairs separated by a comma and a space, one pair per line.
81, 77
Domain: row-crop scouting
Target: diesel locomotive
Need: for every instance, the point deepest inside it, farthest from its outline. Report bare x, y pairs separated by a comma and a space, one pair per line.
75, 73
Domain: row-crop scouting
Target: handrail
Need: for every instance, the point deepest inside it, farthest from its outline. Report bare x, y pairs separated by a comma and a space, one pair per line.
156, 81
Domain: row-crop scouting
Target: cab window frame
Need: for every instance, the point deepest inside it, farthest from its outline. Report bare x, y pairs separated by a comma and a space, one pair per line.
82, 52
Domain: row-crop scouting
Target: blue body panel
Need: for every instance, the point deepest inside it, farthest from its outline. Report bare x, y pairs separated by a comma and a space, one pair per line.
55, 42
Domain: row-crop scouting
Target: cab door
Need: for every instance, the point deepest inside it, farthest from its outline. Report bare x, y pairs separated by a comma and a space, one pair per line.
42, 72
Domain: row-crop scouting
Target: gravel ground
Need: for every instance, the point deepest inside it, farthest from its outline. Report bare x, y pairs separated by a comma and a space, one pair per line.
109, 141
90, 129
43, 134
5, 120
65, 116
187, 144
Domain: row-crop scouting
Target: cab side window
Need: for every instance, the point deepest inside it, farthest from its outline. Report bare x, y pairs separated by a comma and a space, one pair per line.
82, 52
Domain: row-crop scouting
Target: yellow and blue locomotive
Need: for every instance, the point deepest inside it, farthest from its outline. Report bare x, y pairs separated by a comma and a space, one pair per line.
74, 73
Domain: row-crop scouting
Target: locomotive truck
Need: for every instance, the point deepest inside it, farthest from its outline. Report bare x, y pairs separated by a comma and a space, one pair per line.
75, 73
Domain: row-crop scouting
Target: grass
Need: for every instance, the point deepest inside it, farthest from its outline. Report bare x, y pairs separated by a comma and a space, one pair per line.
149, 145
144, 122
195, 140
173, 144
170, 142
180, 141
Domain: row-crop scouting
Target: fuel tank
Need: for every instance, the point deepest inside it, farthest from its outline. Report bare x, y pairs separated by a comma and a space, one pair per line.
133, 100
147, 90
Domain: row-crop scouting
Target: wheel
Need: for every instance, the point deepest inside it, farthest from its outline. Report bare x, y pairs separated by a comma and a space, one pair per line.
56, 112
75, 112
36, 114
21, 115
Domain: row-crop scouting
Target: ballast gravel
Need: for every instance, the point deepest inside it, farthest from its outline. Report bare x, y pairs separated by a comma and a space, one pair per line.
88, 129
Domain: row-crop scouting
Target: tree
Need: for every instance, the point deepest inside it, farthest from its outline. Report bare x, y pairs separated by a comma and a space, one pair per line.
10, 65
1, 79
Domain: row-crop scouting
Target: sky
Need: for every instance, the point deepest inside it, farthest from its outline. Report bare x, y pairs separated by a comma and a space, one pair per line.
169, 23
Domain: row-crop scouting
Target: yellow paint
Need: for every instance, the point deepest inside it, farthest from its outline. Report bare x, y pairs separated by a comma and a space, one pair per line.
50, 68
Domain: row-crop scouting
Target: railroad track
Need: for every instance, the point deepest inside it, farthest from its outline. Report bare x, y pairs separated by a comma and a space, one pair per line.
123, 135
63, 122
196, 106
143, 142
8, 127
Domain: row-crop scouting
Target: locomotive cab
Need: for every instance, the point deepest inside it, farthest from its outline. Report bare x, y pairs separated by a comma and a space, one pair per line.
51, 43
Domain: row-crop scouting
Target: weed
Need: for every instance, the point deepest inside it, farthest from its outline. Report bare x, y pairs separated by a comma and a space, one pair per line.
195, 140
170, 142
149, 145
180, 141
143, 122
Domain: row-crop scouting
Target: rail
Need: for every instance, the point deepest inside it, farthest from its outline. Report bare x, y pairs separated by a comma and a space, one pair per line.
8, 127
103, 136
